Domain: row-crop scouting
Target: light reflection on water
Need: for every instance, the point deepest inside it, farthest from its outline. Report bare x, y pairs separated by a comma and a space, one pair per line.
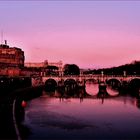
92, 89
73, 118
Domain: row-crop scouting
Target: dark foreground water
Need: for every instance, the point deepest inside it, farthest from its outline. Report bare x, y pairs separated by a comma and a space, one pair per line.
52, 117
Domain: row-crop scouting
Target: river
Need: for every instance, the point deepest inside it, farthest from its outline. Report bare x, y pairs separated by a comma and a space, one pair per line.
52, 117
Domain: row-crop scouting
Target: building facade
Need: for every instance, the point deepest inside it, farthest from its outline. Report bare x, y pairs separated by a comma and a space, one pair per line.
44, 64
44, 67
11, 60
11, 57
34, 64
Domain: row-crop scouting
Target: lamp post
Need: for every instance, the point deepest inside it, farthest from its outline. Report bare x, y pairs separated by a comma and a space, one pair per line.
102, 76
102, 73
124, 73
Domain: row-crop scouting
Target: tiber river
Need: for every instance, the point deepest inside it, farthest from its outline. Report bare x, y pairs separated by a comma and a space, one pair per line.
53, 117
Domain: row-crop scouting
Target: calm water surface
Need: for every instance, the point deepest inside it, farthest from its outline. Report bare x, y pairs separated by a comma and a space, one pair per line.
52, 117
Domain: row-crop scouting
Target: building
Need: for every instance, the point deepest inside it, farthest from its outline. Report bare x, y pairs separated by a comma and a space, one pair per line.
58, 64
34, 65
44, 64
11, 60
11, 56
44, 68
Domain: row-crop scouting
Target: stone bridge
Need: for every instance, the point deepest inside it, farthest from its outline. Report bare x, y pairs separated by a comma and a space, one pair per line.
82, 79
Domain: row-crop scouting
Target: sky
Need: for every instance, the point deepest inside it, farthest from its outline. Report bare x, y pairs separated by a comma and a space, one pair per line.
91, 34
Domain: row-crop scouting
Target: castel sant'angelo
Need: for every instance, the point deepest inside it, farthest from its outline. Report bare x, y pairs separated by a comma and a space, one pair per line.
11, 60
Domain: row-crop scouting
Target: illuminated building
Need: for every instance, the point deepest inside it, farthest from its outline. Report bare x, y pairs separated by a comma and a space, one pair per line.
11, 56
44, 64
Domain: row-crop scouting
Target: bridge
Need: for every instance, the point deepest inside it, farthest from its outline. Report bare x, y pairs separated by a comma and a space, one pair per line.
81, 79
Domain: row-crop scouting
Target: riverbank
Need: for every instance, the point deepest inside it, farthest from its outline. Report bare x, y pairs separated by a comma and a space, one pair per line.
7, 128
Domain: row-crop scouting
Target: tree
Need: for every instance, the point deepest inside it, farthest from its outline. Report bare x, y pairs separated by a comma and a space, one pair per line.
52, 70
52, 67
71, 69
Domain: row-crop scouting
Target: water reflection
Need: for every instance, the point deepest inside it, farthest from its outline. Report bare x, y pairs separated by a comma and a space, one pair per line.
112, 92
57, 115
92, 89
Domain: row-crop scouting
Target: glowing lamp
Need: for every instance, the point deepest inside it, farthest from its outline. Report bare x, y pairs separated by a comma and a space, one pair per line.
23, 103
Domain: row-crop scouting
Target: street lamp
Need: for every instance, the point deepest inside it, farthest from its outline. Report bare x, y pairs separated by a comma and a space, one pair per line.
124, 73
102, 73
102, 76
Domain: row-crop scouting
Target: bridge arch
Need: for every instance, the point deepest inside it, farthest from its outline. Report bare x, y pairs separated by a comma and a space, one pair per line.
70, 82
134, 83
114, 83
50, 83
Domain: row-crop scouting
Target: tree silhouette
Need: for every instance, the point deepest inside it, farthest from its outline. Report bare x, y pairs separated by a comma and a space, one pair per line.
52, 70
71, 69
131, 69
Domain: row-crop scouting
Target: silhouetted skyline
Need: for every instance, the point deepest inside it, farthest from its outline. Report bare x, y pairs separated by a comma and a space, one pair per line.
87, 33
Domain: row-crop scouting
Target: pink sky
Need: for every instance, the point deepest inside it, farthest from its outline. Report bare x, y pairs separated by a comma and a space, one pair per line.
90, 34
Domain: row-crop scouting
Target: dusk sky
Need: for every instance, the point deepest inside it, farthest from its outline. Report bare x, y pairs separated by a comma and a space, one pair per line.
90, 34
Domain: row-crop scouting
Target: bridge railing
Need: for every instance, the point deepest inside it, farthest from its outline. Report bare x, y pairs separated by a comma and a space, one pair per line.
91, 75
